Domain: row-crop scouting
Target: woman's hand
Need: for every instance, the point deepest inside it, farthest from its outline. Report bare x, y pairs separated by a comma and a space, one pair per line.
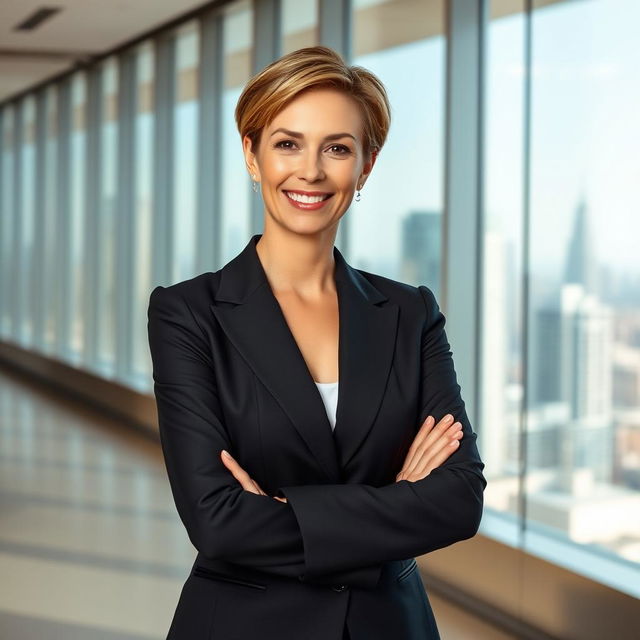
247, 482
430, 448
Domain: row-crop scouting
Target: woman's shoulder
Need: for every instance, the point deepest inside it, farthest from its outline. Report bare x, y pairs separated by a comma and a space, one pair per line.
197, 291
398, 291
415, 301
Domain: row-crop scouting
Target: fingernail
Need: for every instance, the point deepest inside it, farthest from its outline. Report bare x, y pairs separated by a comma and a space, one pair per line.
227, 454
448, 417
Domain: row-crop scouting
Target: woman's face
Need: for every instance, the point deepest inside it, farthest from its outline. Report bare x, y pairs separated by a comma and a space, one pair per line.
310, 160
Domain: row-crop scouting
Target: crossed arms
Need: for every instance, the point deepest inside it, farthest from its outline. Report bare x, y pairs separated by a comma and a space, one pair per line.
318, 533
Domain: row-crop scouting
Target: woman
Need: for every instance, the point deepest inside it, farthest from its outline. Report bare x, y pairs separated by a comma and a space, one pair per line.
312, 427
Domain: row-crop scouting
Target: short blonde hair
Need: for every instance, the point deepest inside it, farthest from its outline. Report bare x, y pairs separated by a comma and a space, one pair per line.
269, 91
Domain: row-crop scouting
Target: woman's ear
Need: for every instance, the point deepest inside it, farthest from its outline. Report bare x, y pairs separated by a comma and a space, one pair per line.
250, 157
368, 166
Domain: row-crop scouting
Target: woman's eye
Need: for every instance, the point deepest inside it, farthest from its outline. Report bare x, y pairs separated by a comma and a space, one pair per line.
340, 149
282, 144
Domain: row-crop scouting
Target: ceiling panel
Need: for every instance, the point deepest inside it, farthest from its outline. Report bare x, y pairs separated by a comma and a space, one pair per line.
82, 28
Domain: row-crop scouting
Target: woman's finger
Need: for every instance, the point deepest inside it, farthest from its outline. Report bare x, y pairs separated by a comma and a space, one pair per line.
437, 441
435, 447
238, 472
438, 459
258, 489
425, 440
420, 436
247, 482
433, 458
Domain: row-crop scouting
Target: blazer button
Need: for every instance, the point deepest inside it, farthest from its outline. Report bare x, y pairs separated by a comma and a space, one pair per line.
339, 587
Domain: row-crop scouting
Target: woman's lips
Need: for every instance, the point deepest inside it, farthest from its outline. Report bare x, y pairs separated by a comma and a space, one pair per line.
306, 206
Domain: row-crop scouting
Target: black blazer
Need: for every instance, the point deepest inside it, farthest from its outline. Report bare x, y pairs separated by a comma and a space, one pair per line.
229, 375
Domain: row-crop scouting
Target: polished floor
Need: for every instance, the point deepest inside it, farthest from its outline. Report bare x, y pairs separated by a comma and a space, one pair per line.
90, 544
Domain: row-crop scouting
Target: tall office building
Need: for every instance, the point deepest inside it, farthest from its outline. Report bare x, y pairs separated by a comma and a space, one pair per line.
421, 251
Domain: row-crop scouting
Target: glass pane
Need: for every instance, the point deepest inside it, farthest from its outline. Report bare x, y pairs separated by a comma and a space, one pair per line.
502, 378
236, 216
76, 216
299, 24
396, 231
583, 454
107, 217
26, 214
143, 198
185, 149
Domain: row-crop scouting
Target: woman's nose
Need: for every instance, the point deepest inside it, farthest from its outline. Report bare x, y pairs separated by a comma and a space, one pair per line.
311, 168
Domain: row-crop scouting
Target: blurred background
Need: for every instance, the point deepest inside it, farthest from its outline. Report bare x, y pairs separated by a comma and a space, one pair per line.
509, 185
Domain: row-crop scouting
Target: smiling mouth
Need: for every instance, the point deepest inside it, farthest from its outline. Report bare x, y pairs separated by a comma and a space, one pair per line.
304, 199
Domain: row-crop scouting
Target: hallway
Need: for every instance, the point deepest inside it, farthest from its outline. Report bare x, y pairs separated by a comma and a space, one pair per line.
90, 543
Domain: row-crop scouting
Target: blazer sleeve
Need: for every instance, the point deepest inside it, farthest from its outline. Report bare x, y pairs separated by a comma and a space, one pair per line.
357, 524
223, 520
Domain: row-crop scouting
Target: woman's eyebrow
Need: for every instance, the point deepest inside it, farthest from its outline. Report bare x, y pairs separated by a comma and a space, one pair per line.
297, 134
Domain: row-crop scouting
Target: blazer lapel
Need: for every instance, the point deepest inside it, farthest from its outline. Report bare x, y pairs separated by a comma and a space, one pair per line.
257, 327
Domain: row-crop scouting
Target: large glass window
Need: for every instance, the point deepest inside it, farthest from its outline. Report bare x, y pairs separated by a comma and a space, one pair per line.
561, 357
395, 228
583, 400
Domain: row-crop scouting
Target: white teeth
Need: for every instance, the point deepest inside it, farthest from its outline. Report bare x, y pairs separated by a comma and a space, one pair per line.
298, 197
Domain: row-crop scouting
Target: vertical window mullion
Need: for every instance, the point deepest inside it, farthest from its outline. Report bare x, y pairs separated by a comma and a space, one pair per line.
526, 267
210, 79
125, 227
62, 280
266, 48
6, 216
18, 309
50, 224
38, 282
164, 101
94, 246
3, 214
335, 26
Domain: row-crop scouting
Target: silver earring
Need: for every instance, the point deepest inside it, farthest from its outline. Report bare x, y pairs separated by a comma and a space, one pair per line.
358, 195
255, 184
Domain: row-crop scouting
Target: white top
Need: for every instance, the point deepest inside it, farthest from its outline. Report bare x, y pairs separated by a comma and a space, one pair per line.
329, 393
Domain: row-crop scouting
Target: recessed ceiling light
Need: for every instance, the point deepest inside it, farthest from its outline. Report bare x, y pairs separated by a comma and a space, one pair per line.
37, 18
